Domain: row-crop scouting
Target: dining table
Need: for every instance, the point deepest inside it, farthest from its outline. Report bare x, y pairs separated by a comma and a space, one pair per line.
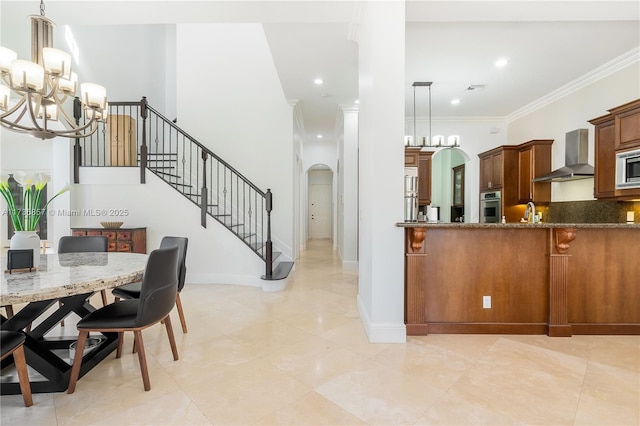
61, 285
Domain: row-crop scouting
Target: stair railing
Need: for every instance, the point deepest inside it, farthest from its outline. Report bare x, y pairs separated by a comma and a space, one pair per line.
136, 135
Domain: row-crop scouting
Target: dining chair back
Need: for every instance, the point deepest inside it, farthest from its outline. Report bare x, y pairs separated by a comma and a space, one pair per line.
132, 291
12, 342
157, 298
84, 244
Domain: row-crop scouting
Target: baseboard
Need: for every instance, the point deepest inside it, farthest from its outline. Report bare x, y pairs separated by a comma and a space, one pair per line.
350, 265
381, 332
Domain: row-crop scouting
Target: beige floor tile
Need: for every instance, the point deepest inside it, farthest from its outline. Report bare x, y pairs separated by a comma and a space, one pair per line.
311, 409
301, 356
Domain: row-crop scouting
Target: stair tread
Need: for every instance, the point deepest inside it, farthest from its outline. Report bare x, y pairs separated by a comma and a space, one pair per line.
280, 272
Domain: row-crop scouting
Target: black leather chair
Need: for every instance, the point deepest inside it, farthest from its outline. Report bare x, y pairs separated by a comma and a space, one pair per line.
132, 291
12, 343
85, 244
157, 298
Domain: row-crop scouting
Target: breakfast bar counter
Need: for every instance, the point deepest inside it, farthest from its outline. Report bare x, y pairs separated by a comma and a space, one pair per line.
558, 279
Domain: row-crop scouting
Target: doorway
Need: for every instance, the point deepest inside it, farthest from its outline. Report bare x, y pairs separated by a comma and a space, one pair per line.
320, 205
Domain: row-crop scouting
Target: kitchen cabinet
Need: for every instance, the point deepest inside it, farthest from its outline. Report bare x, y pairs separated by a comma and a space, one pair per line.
424, 178
617, 131
458, 186
128, 240
414, 157
627, 125
534, 160
491, 168
605, 158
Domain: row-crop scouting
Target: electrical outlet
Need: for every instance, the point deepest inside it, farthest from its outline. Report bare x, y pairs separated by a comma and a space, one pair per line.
486, 302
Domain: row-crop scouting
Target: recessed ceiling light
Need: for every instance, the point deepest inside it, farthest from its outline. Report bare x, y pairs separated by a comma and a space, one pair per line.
318, 81
357, 101
319, 136
455, 101
502, 62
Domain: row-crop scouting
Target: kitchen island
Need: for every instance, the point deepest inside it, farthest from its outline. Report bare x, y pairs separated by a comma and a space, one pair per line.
514, 278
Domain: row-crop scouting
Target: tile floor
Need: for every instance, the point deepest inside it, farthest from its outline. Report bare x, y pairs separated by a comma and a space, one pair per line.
301, 357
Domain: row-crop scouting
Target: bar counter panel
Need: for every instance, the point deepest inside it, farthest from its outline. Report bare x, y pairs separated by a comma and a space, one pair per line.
556, 279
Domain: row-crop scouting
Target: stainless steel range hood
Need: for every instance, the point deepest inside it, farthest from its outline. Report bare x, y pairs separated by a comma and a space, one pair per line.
576, 155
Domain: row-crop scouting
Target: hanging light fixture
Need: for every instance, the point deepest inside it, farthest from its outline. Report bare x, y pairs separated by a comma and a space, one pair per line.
436, 141
43, 85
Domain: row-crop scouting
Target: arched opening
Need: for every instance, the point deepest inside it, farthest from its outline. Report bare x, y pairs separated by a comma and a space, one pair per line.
449, 191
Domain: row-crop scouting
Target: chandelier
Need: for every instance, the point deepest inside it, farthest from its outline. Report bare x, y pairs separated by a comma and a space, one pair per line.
42, 86
437, 141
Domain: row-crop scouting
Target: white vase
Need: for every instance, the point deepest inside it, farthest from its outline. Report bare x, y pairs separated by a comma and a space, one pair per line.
23, 240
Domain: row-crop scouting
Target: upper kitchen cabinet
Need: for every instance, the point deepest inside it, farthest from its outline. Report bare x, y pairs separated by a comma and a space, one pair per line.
411, 156
616, 132
534, 160
627, 125
424, 178
491, 169
605, 157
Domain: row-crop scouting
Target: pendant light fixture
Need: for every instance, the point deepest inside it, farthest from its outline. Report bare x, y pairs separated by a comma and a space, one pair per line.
436, 141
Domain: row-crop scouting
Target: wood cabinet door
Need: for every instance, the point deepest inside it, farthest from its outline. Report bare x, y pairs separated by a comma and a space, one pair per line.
525, 174
605, 161
486, 173
628, 129
496, 170
411, 157
424, 178
458, 186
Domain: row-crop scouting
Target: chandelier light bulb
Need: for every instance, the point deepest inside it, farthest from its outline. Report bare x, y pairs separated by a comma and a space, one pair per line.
57, 62
6, 57
27, 75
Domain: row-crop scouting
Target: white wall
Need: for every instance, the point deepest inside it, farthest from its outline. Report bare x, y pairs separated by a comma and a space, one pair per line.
572, 112
229, 98
215, 255
381, 122
347, 197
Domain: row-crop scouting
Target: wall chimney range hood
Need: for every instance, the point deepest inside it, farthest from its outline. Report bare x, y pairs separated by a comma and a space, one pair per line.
576, 153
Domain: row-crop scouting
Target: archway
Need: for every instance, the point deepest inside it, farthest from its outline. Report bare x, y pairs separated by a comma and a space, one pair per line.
444, 162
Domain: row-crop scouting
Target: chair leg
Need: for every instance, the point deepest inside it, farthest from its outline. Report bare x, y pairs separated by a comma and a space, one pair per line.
120, 342
9, 309
21, 365
116, 299
77, 360
172, 340
61, 322
135, 344
181, 313
143, 361
104, 298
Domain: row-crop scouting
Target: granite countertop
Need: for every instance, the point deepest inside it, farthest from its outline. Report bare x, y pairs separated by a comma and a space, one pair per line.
517, 225
61, 275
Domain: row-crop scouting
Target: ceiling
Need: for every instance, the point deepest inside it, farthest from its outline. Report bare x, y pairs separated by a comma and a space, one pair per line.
453, 44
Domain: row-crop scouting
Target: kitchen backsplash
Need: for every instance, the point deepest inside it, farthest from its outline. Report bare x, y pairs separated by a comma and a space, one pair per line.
591, 211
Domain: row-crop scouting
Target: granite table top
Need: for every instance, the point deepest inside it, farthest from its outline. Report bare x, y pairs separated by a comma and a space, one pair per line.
68, 274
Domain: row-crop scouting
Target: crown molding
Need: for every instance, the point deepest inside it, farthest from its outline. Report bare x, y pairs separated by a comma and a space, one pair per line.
605, 70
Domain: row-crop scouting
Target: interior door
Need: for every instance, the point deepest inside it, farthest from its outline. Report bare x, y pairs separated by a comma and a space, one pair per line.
319, 211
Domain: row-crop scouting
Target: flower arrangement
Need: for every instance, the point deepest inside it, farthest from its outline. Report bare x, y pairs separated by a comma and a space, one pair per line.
27, 218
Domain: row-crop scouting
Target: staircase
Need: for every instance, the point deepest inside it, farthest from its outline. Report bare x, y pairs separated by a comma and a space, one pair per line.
136, 135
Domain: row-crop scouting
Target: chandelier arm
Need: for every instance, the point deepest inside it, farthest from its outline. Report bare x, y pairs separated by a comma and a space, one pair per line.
66, 116
92, 122
14, 125
14, 109
32, 113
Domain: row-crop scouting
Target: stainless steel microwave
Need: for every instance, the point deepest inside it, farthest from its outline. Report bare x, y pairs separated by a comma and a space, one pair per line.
628, 169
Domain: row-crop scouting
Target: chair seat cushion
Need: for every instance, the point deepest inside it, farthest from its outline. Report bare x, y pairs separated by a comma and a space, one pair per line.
128, 291
9, 340
115, 316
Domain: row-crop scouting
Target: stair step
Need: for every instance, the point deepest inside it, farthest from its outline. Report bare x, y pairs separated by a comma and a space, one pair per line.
171, 175
158, 168
185, 185
280, 272
161, 154
257, 246
221, 215
245, 235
